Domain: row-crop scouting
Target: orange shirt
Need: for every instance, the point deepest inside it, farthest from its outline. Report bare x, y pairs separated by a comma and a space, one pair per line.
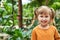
45, 34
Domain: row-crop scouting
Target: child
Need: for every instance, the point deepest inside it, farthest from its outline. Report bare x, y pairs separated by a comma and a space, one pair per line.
45, 31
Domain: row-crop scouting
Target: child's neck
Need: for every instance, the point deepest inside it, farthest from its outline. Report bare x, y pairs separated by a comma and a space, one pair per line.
44, 27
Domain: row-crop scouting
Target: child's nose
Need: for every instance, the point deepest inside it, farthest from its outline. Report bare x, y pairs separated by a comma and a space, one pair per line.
44, 18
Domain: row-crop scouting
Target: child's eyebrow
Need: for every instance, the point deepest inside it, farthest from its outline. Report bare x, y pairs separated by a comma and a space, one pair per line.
42, 12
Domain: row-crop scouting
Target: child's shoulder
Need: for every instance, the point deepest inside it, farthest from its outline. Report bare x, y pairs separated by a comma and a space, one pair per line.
35, 28
53, 27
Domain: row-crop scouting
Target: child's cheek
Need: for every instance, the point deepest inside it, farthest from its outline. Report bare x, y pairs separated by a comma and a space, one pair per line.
48, 19
39, 18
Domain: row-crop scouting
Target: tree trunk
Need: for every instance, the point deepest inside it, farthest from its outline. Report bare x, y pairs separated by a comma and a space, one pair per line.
47, 2
20, 12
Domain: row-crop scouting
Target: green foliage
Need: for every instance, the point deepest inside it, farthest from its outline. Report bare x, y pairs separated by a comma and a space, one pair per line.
6, 15
56, 5
57, 23
14, 33
27, 14
17, 34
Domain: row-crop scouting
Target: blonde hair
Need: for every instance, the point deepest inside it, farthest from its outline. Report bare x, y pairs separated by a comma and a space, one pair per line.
35, 13
53, 12
46, 9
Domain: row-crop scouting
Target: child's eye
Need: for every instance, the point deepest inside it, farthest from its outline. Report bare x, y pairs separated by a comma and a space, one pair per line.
46, 16
41, 16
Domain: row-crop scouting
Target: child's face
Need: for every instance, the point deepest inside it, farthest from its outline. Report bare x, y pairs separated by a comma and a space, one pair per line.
44, 19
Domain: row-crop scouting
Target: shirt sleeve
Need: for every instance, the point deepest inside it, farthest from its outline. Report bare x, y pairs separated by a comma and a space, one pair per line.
57, 35
33, 36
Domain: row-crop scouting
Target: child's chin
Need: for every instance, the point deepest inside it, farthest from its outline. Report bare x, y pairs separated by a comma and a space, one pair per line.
43, 24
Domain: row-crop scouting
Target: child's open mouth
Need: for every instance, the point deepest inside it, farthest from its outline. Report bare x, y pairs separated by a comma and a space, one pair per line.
43, 21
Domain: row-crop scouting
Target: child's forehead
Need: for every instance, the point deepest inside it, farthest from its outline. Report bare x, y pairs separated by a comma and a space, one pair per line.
44, 11
45, 14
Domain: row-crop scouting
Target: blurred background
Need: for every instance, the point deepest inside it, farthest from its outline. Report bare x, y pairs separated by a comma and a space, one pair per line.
17, 17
